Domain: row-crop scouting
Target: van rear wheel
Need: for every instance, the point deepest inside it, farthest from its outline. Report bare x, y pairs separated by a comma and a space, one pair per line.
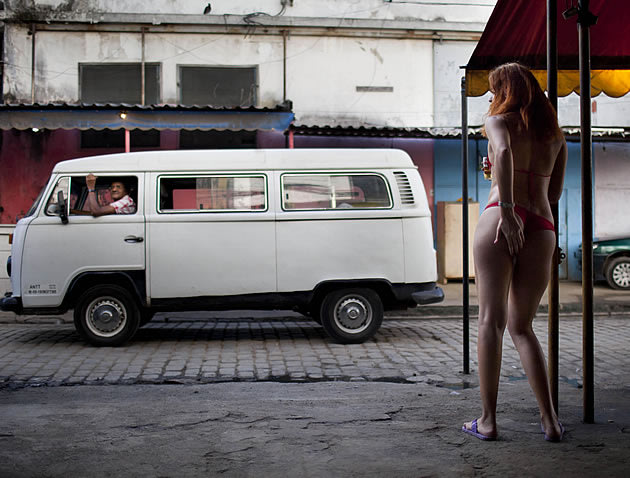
351, 316
106, 315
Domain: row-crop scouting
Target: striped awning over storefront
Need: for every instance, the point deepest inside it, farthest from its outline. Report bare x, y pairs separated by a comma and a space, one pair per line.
517, 31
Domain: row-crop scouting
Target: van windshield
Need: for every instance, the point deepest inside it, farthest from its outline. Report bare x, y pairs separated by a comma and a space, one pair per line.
33, 208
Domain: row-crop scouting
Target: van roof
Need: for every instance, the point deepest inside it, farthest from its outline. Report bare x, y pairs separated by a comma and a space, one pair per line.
231, 160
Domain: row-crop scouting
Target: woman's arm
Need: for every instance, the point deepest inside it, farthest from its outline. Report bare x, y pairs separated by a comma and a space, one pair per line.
557, 176
501, 148
510, 225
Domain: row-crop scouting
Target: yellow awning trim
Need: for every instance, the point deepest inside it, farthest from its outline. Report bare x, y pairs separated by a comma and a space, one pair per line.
613, 83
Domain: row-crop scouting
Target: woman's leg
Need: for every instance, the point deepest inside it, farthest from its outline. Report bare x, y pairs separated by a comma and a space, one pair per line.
529, 281
493, 272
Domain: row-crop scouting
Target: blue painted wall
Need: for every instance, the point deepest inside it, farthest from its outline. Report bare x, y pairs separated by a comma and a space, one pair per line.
448, 171
448, 187
570, 210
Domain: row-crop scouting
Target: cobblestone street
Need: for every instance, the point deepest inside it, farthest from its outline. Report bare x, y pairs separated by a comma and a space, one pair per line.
217, 350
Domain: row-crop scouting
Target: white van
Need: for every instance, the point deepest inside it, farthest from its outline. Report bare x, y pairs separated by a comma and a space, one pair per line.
339, 235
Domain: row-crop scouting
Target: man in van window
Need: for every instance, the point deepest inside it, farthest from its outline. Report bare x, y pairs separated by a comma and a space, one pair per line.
122, 202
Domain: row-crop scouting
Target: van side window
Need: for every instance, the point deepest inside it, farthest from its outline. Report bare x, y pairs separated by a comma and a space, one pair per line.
52, 205
79, 192
213, 193
334, 191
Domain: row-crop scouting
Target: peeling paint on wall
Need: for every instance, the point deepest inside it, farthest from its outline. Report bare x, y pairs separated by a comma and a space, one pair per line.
376, 9
377, 55
35, 11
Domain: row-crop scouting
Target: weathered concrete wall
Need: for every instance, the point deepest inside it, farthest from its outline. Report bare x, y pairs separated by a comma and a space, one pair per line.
448, 56
17, 64
476, 12
612, 190
323, 73
331, 90
57, 74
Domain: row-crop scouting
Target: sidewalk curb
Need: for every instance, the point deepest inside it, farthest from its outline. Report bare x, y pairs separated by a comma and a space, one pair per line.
451, 310
420, 313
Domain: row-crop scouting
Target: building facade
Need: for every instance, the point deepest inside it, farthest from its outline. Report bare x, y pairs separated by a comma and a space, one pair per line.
376, 71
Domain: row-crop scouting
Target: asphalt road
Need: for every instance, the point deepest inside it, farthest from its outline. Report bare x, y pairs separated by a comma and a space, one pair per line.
270, 398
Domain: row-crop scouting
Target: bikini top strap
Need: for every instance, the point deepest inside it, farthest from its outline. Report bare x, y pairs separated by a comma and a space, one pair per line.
530, 179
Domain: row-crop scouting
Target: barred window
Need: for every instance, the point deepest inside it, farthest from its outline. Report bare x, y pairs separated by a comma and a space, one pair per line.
218, 85
119, 83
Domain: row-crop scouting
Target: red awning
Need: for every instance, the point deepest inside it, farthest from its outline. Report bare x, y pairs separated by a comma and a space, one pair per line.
517, 31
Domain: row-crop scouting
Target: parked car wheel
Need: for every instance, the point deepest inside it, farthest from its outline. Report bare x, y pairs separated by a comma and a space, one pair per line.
618, 273
351, 316
106, 315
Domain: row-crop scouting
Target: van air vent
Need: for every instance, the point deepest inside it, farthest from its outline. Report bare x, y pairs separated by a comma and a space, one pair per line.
406, 194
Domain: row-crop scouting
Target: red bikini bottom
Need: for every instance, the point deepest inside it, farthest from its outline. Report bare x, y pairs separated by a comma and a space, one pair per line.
531, 222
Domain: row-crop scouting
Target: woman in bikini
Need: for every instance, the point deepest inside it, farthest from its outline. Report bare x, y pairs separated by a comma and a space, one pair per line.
515, 238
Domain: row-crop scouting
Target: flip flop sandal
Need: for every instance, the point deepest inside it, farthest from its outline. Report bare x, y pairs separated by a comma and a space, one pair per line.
474, 432
553, 439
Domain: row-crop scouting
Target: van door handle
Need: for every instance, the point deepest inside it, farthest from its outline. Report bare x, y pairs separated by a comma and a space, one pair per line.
134, 239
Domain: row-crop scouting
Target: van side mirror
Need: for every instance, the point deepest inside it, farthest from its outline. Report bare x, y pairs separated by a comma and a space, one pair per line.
62, 208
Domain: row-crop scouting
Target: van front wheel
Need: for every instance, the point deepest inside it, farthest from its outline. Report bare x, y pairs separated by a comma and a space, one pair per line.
351, 316
106, 315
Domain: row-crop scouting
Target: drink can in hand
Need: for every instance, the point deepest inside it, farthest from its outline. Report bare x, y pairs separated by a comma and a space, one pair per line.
486, 168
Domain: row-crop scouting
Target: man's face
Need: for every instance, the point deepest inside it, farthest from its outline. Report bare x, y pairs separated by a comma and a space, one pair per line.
117, 190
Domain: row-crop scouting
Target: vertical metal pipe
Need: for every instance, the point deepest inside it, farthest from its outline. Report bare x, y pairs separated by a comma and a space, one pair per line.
587, 212
465, 274
2, 55
291, 139
33, 31
553, 330
127, 141
284, 66
142, 72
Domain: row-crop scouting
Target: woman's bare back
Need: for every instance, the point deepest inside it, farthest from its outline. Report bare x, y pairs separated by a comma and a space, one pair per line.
533, 167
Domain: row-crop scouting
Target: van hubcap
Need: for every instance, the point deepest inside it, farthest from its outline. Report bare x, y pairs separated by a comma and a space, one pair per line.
106, 316
621, 274
353, 315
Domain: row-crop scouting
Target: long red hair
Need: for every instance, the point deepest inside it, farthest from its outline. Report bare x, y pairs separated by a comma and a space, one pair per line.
516, 90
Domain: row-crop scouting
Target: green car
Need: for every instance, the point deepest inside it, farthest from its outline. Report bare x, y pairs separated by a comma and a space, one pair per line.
611, 262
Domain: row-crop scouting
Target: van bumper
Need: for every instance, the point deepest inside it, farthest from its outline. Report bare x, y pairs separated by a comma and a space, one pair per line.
430, 294
11, 304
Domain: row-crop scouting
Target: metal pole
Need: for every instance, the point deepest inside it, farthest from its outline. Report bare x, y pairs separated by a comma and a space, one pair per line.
553, 293
584, 23
33, 30
284, 65
465, 291
142, 72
